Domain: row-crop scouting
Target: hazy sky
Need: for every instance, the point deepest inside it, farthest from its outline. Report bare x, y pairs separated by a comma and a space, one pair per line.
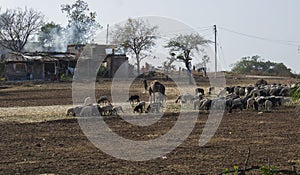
274, 22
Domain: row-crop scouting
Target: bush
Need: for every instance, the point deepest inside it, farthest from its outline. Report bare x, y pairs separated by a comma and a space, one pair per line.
257, 66
295, 92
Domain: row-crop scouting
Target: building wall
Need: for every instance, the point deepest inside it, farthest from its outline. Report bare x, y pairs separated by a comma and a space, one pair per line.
21, 71
38, 72
118, 63
16, 71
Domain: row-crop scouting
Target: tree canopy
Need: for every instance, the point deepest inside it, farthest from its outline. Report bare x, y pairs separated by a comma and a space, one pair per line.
185, 46
50, 36
82, 24
137, 37
16, 25
255, 65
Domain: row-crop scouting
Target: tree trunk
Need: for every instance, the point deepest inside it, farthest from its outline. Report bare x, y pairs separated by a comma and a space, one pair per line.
138, 63
189, 71
190, 76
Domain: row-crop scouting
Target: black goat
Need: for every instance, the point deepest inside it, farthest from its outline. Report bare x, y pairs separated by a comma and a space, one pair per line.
103, 99
140, 107
199, 91
133, 98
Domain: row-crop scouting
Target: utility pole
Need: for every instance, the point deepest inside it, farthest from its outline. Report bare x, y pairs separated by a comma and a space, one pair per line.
216, 57
107, 34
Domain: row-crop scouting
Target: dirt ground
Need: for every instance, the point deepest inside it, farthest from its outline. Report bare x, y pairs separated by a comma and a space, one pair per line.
37, 138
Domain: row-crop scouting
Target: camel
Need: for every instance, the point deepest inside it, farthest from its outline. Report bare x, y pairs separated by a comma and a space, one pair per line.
155, 87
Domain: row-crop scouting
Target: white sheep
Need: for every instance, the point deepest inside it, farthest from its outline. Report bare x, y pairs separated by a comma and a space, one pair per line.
268, 105
250, 104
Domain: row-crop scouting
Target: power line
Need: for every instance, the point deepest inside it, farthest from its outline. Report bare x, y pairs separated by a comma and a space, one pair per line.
187, 30
285, 42
222, 53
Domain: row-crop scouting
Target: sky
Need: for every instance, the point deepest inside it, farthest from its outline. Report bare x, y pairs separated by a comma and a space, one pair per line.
268, 28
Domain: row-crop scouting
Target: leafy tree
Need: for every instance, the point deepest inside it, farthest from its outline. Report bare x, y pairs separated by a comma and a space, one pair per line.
82, 24
137, 37
16, 25
254, 65
50, 36
185, 46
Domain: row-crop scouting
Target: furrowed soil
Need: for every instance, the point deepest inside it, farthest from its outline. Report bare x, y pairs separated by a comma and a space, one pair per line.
37, 137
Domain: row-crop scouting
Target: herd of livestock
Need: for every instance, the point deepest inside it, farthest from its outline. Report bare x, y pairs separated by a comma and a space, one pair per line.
261, 96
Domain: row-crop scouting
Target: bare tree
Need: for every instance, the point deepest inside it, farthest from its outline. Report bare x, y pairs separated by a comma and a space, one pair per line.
16, 25
203, 64
137, 37
168, 65
185, 46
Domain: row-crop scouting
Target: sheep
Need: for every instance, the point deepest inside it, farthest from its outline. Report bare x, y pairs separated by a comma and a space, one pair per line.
140, 107
74, 111
244, 101
117, 109
86, 111
185, 98
248, 89
274, 91
238, 90
103, 100
234, 104
276, 101
77, 109
107, 109
254, 93
226, 90
90, 110
268, 105
154, 107
211, 90
259, 102
199, 91
242, 91
133, 98
218, 103
284, 91
250, 103
205, 104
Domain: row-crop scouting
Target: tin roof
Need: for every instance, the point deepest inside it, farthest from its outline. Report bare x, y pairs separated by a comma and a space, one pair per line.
40, 56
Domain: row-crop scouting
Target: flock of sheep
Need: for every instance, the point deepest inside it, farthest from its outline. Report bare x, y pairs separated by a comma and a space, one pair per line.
261, 96
105, 108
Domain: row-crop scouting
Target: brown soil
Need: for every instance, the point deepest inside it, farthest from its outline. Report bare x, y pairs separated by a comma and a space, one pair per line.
57, 145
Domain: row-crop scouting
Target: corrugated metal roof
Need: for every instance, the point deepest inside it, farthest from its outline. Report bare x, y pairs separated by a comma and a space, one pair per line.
40, 56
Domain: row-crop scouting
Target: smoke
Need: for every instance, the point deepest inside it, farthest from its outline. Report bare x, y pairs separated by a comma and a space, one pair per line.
56, 38
81, 33
59, 40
